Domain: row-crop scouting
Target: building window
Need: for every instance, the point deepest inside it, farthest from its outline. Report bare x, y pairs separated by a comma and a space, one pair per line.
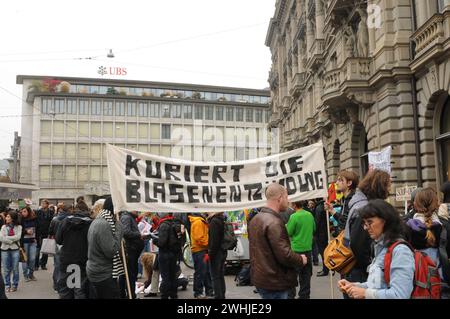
84, 107
59, 106
249, 115
165, 110
120, 109
96, 107
143, 109
108, 108
258, 116
209, 112
239, 114
176, 111
267, 116
131, 109
187, 110
165, 131
364, 157
219, 113
46, 107
444, 140
230, 114
71, 106
154, 110
198, 112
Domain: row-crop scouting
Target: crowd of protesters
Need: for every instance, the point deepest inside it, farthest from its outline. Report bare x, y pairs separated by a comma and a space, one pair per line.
282, 239
110, 250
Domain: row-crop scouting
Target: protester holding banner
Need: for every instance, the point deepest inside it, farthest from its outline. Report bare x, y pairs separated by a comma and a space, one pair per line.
347, 182
169, 243
375, 185
384, 226
134, 244
301, 228
104, 265
272, 261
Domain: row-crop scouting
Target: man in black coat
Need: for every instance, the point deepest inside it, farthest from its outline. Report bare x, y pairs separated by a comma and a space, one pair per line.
169, 244
44, 217
320, 217
72, 235
217, 255
134, 244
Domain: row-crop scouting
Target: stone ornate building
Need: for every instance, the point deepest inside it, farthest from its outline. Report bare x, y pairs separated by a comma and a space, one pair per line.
359, 86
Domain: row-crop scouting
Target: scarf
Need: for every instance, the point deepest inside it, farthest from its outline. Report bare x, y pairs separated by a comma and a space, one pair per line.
10, 228
117, 262
443, 211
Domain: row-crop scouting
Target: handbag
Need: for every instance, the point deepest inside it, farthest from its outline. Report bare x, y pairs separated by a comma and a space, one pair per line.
338, 257
22, 255
48, 246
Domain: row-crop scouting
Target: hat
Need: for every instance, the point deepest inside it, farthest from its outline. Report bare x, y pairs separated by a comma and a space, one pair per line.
28, 201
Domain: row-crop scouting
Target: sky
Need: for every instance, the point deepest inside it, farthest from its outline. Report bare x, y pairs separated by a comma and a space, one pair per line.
214, 42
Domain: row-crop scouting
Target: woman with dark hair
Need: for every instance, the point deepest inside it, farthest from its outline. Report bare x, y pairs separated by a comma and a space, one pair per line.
29, 224
384, 226
10, 235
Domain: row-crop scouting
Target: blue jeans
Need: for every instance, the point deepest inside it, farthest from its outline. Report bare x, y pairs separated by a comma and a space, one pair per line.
273, 294
10, 263
202, 275
28, 267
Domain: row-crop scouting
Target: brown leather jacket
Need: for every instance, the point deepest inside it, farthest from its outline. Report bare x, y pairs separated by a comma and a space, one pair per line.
272, 260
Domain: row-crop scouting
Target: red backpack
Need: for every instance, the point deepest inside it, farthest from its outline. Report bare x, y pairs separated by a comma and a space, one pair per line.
427, 282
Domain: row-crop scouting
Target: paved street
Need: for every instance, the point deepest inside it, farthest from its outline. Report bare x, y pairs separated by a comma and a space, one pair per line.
42, 288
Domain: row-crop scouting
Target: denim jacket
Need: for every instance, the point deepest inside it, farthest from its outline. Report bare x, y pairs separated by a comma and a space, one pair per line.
401, 277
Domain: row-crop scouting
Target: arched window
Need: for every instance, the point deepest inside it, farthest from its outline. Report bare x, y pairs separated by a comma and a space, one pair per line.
364, 154
444, 140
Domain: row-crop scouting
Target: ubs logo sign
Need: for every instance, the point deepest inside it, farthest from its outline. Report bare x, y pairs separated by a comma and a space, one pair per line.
103, 70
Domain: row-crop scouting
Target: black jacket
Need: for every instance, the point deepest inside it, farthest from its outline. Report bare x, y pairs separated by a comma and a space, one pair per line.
72, 234
56, 222
216, 228
131, 234
342, 220
44, 218
320, 218
169, 236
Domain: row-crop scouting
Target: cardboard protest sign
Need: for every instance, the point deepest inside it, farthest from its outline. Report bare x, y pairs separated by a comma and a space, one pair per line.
146, 182
381, 160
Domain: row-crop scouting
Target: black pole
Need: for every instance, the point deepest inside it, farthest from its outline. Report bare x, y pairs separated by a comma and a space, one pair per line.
414, 99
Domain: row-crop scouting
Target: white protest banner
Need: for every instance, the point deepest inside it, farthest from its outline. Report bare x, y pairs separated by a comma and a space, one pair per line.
146, 182
404, 193
381, 160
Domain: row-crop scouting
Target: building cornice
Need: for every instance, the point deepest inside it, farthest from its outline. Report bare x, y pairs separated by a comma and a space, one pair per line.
147, 84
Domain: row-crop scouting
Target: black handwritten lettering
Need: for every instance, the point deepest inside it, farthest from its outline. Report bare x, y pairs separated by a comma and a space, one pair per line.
131, 164
133, 195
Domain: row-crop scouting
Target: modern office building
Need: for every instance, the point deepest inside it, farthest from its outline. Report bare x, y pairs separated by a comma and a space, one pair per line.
361, 76
67, 122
